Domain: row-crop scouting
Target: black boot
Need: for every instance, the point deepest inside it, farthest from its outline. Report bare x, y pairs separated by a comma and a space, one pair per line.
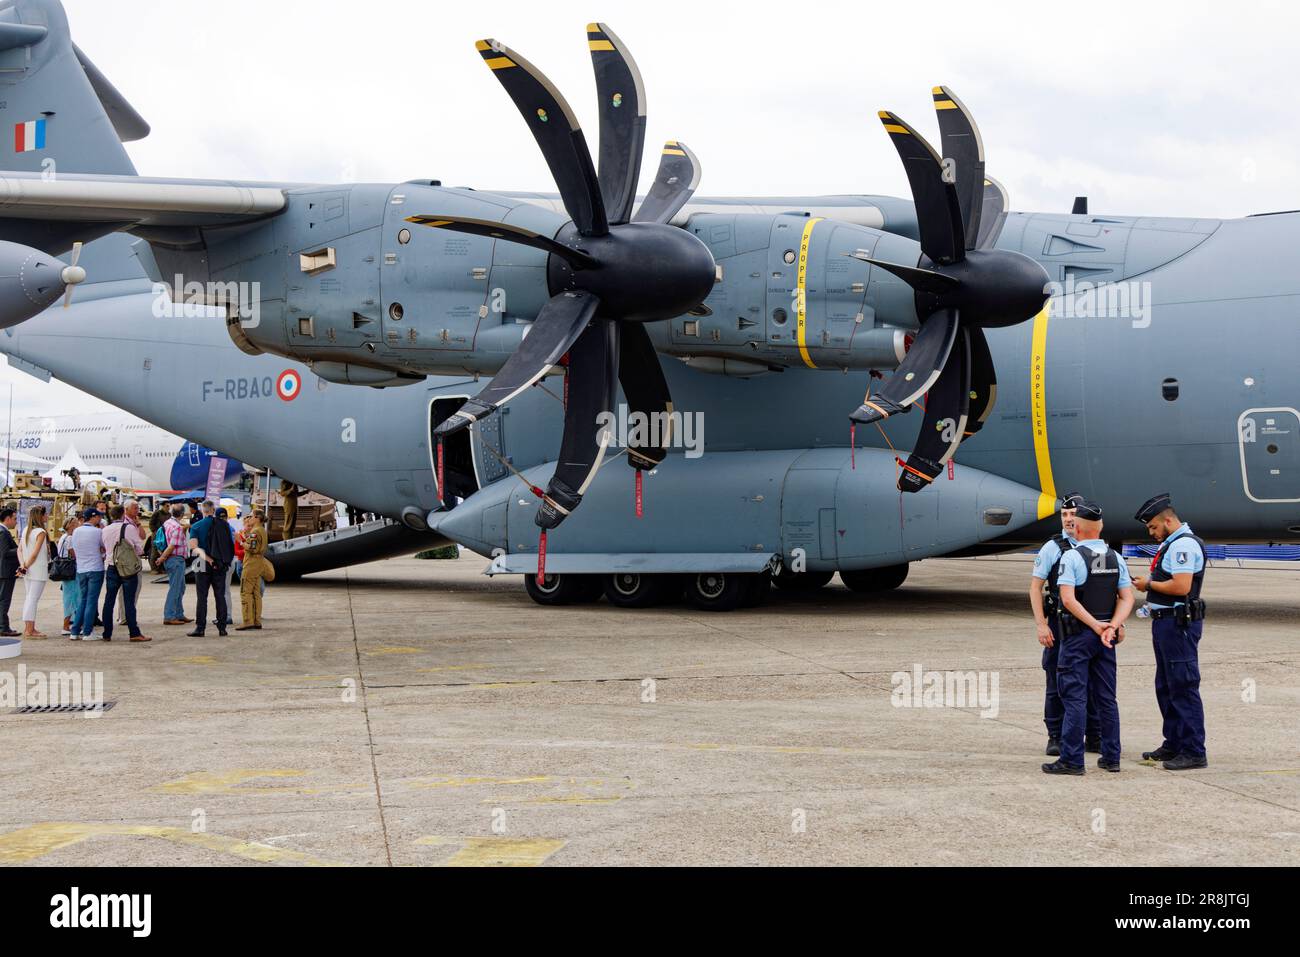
1159, 754
1185, 762
1092, 745
1053, 747
1107, 765
1060, 767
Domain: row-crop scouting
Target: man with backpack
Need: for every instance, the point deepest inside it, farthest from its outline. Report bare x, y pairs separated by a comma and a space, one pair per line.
214, 543
123, 546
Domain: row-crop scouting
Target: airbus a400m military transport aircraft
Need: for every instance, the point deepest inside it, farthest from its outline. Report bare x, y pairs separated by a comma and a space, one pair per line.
764, 319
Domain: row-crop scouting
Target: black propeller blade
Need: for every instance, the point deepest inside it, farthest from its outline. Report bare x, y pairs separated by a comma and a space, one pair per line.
620, 96
918, 371
938, 209
678, 176
962, 286
944, 423
959, 139
558, 326
516, 234
593, 364
557, 132
646, 391
603, 269
983, 381
994, 215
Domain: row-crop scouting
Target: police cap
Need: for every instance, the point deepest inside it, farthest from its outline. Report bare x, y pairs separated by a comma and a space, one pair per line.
1153, 507
1088, 511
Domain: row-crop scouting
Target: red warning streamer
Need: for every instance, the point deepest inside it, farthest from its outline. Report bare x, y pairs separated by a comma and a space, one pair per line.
639, 494
441, 474
541, 554
853, 445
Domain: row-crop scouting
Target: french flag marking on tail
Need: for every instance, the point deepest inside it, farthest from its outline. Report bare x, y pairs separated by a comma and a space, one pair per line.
29, 136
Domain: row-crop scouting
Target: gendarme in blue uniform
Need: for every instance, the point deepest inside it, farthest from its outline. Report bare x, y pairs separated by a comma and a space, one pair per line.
1178, 668
1047, 567
1086, 666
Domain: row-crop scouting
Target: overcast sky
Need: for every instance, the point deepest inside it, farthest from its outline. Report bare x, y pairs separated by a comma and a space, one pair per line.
1147, 108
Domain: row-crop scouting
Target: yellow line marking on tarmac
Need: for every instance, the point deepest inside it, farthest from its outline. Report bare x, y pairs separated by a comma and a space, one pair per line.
576, 799
226, 782
394, 650
30, 843
495, 851
196, 660
470, 782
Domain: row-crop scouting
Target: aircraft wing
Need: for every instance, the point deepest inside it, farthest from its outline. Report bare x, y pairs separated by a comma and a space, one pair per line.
128, 201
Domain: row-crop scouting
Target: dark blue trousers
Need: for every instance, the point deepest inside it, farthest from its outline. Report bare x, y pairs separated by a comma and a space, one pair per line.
1053, 710
1086, 669
1178, 684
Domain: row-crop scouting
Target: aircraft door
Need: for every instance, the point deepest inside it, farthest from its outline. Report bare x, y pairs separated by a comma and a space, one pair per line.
1269, 440
808, 517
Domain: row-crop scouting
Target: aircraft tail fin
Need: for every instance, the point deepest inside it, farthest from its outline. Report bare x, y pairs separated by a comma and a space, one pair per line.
60, 114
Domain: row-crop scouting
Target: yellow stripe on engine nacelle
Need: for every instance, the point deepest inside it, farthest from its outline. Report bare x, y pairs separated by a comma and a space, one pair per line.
801, 294
1038, 410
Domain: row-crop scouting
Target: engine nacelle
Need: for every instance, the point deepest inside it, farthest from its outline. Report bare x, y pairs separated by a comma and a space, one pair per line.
31, 281
825, 507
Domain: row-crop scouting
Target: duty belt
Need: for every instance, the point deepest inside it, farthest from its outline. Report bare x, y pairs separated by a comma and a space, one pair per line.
1192, 611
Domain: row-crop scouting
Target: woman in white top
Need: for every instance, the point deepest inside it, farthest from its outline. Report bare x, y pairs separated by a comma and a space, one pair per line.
35, 559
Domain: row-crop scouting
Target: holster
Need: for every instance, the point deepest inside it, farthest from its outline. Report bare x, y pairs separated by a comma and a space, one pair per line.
1070, 626
1190, 611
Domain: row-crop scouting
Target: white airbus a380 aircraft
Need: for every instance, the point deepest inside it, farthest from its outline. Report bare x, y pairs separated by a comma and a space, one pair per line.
115, 447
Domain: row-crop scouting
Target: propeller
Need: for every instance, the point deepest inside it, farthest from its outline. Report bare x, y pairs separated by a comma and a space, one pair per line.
72, 274
962, 286
609, 269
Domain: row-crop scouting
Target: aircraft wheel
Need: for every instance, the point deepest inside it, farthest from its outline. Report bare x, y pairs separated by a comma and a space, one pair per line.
631, 590
562, 589
802, 581
724, 591
868, 580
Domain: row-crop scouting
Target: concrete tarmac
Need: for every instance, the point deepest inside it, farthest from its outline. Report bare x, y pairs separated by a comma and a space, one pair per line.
414, 712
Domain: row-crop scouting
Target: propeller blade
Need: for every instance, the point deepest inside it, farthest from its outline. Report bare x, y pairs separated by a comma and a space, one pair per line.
620, 96
557, 132
938, 211
996, 203
917, 373
72, 274
646, 391
592, 370
983, 381
515, 234
923, 280
946, 410
557, 327
960, 142
675, 183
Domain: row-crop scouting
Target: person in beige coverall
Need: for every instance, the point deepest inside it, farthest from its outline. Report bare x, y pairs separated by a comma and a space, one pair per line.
256, 568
